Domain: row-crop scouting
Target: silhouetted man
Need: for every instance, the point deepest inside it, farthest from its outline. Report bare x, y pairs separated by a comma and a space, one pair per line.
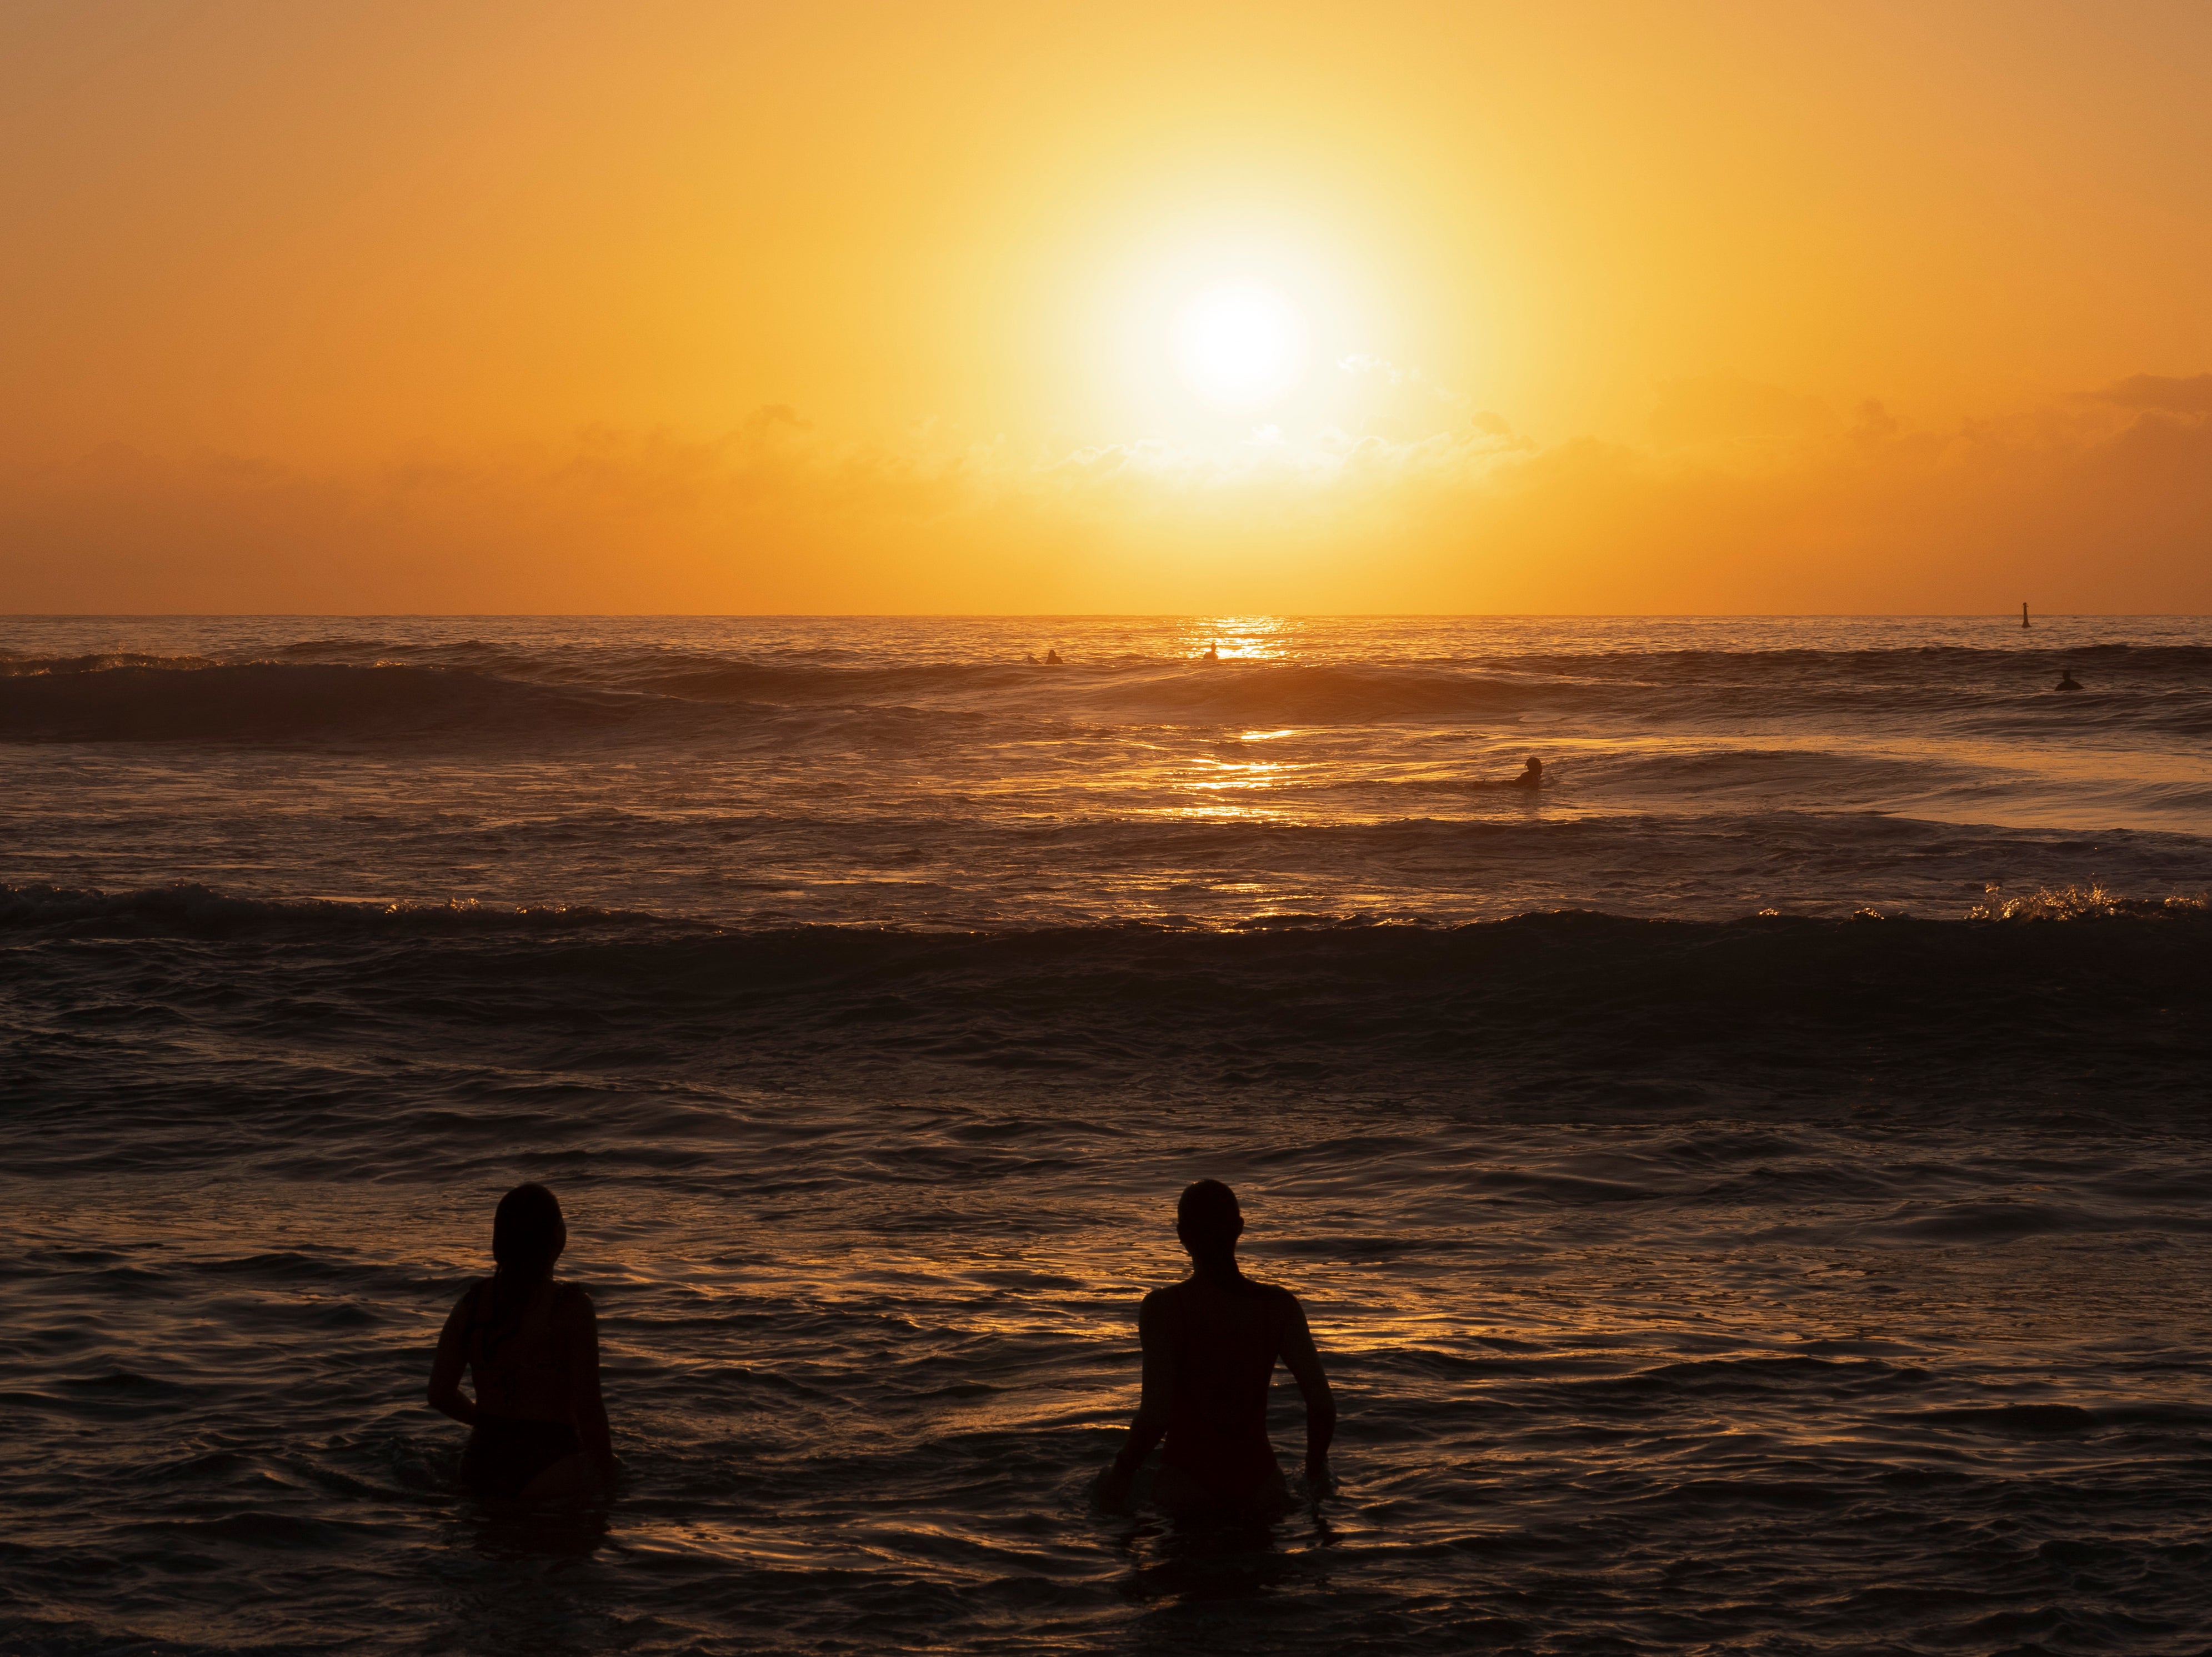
2066, 681
1210, 1343
1531, 774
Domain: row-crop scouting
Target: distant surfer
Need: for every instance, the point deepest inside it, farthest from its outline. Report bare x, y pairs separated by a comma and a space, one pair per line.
1531, 774
1051, 659
2066, 681
1211, 1343
1212, 653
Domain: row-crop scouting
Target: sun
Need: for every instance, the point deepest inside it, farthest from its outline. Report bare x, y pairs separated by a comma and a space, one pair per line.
1240, 346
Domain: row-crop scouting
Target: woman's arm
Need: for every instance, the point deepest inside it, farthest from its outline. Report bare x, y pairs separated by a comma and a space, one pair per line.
445, 1395
588, 1408
1296, 1347
1152, 1421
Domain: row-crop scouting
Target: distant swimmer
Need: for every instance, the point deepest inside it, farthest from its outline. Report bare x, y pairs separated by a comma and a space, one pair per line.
1210, 1343
1531, 774
537, 1426
2066, 681
1212, 653
1051, 659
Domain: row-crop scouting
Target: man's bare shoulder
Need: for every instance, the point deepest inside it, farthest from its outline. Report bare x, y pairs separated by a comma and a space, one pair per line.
1191, 1292
1278, 1305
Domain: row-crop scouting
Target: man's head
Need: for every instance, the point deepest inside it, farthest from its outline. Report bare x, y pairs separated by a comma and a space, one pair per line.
1209, 1220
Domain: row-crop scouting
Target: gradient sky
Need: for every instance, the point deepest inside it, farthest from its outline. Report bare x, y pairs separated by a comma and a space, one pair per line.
829, 307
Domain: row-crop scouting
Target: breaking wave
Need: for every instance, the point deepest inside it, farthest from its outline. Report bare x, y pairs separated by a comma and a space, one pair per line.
1648, 1009
190, 910
374, 689
267, 702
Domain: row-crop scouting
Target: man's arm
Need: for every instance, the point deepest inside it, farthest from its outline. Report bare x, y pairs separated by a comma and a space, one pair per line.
1297, 1350
1151, 1420
445, 1395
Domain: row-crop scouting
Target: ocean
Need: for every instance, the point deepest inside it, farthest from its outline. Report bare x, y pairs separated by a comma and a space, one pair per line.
1750, 1192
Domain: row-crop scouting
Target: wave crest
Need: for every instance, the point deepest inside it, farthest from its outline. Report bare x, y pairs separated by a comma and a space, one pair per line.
2094, 901
187, 910
273, 702
468, 687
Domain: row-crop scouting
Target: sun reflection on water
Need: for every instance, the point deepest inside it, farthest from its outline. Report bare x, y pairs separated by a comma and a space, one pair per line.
1246, 638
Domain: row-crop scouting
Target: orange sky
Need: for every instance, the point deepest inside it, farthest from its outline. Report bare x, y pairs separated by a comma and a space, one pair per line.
721, 307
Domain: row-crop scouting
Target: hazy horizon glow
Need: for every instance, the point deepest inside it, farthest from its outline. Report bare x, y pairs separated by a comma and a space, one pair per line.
1594, 310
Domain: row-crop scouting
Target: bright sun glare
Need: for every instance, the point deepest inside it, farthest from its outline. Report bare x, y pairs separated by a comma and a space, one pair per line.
1240, 347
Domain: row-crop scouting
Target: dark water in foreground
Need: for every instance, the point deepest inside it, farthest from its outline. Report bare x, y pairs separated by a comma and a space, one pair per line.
1692, 1279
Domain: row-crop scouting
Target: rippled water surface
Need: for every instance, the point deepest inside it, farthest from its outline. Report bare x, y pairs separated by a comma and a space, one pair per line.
1692, 1279
921, 772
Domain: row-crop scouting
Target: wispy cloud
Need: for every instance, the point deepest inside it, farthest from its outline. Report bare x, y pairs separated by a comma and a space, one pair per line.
2189, 395
1748, 498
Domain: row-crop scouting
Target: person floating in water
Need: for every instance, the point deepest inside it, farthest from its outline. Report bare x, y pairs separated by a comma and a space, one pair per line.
1210, 1343
538, 1425
1051, 659
2066, 681
1531, 774
1212, 653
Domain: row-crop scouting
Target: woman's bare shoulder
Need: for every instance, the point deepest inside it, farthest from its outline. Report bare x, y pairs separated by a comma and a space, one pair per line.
464, 1304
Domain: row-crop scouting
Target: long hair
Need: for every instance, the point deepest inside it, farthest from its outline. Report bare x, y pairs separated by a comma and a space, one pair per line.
527, 1235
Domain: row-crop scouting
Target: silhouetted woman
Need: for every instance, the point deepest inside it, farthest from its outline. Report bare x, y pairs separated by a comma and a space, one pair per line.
1210, 1344
539, 1426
